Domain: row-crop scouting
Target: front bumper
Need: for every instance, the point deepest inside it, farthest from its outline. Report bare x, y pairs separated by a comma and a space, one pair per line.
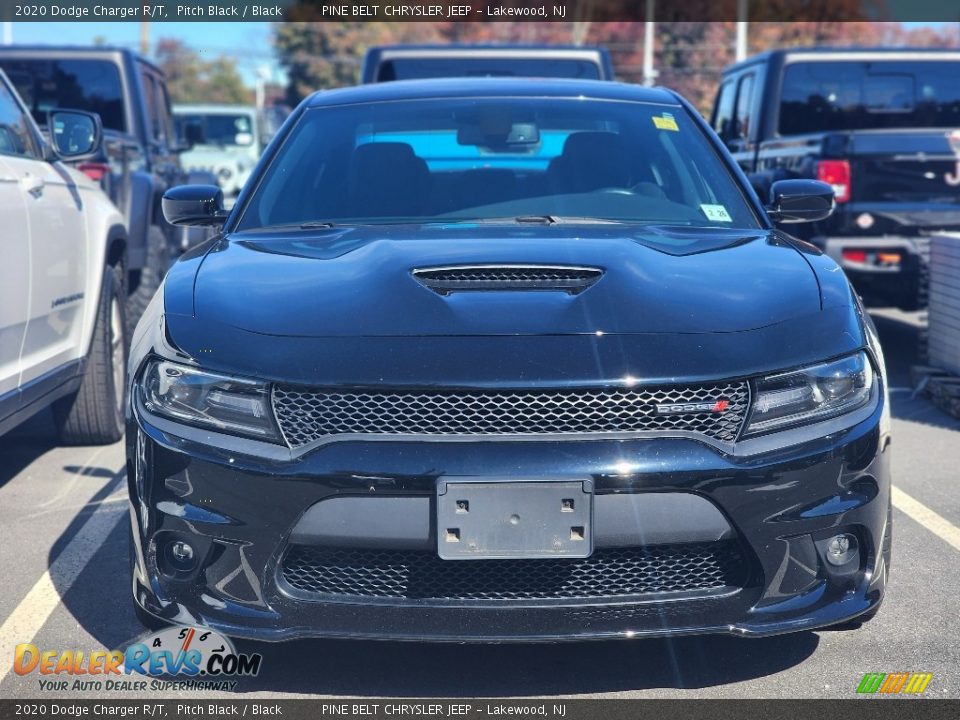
243, 514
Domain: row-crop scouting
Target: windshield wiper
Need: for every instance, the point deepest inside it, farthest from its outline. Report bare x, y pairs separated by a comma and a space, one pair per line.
309, 225
543, 220
535, 220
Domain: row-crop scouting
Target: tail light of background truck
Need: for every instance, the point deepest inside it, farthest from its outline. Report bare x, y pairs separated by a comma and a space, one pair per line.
837, 174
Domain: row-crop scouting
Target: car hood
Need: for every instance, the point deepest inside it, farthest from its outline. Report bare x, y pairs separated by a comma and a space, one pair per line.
359, 282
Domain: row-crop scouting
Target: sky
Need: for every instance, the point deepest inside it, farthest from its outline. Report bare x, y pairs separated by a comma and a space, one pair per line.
247, 42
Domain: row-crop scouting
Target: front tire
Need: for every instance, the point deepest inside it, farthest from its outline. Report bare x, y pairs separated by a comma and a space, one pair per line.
94, 414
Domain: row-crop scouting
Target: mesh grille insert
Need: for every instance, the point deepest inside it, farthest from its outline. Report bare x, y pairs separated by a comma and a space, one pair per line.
307, 415
486, 277
608, 573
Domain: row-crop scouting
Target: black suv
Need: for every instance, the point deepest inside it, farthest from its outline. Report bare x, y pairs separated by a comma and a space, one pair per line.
139, 158
418, 62
881, 126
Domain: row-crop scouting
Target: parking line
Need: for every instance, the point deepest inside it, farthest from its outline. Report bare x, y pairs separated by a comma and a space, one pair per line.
937, 524
67, 488
29, 616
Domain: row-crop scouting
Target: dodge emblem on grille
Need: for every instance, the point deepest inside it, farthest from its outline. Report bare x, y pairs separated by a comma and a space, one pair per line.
712, 406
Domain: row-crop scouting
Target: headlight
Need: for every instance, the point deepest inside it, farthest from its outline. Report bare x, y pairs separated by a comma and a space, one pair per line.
219, 402
812, 394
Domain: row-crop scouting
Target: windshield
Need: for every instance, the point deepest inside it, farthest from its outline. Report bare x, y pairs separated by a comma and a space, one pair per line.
217, 128
414, 68
91, 85
490, 159
852, 95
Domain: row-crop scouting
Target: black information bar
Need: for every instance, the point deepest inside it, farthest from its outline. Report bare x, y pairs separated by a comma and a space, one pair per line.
503, 708
476, 11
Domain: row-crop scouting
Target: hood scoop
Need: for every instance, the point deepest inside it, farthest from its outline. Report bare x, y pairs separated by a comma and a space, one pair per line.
492, 278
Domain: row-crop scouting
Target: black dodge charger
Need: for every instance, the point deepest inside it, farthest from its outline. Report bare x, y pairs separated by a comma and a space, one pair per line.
490, 360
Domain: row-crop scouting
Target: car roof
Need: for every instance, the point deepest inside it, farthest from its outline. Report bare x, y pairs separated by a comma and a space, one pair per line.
491, 87
214, 108
71, 51
486, 46
830, 50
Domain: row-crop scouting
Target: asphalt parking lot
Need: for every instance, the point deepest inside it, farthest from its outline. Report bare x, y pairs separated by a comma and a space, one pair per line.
65, 586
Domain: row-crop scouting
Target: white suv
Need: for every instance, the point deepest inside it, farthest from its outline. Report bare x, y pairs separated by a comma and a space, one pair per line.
62, 250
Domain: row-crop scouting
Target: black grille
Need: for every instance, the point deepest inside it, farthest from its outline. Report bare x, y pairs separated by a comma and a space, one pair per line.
510, 277
608, 573
308, 415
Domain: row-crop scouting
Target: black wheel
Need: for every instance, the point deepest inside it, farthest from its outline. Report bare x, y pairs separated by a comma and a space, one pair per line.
94, 414
145, 281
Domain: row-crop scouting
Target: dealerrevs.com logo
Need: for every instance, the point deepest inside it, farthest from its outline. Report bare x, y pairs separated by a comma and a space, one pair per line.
175, 658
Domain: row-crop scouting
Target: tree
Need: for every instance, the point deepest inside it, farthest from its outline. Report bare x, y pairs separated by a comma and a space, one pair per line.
319, 55
191, 79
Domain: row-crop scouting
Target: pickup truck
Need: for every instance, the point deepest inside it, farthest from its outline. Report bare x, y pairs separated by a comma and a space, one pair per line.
882, 126
414, 62
139, 157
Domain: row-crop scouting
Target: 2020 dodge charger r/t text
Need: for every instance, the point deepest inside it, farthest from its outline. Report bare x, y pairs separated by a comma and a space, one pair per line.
505, 359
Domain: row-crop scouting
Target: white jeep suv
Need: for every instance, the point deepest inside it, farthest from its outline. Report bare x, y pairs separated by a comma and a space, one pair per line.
62, 250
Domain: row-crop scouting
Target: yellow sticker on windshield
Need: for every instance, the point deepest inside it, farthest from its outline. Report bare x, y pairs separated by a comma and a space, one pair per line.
665, 122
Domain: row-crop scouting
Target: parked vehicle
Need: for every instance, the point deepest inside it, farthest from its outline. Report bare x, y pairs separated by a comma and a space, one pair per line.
417, 62
272, 118
62, 311
881, 126
225, 139
139, 158
595, 395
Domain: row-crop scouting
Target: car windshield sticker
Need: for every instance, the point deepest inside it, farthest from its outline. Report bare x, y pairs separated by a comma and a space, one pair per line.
665, 122
717, 213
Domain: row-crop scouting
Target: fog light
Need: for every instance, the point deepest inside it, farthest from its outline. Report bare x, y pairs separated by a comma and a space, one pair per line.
841, 548
181, 556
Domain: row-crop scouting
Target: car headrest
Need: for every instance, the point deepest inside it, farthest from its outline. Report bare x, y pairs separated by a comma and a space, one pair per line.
387, 178
591, 160
592, 144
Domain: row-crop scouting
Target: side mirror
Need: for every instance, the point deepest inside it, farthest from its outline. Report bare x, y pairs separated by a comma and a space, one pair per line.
797, 201
194, 205
74, 134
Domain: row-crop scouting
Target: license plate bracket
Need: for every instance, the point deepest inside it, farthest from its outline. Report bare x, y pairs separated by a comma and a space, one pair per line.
514, 519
